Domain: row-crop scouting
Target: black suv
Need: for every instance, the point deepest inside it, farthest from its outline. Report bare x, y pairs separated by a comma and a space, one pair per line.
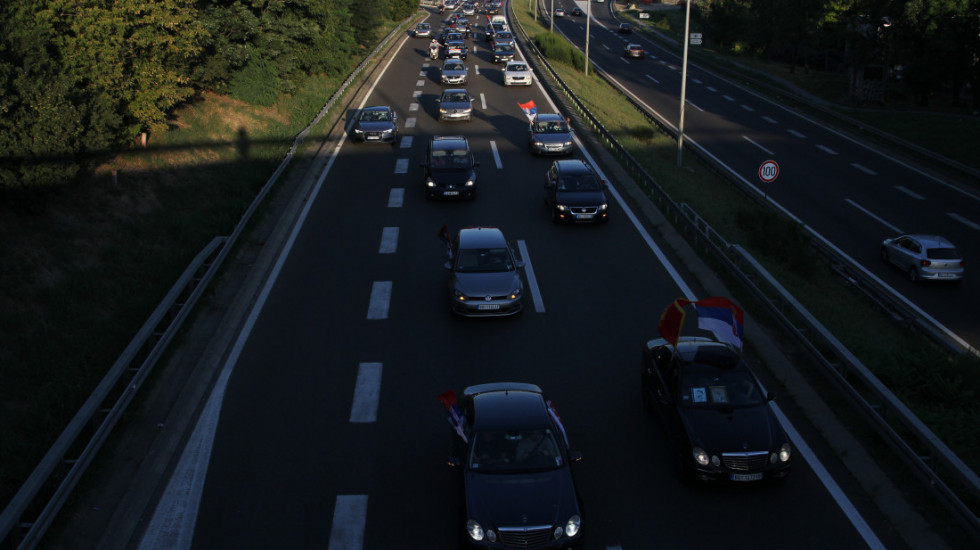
449, 168
573, 192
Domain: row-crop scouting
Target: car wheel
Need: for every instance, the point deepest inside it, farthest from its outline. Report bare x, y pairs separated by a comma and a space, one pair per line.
884, 254
913, 274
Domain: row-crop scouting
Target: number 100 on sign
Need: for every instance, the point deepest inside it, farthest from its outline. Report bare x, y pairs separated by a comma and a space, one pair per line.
768, 171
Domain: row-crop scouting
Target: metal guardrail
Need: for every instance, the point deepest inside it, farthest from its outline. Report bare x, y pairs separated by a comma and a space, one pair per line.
927, 456
64, 464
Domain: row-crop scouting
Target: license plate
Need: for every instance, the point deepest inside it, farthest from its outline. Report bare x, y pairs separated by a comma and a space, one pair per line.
588, 217
487, 307
945, 275
747, 477
374, 137
450, 193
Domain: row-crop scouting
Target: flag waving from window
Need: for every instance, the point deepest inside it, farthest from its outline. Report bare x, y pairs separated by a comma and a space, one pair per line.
456, 418
530, 109
718, 315
671, 321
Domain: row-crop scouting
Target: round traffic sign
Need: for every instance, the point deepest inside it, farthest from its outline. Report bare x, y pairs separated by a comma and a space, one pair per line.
768, 171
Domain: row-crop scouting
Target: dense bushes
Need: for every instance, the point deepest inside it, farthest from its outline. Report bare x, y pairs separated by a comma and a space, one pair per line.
559, 50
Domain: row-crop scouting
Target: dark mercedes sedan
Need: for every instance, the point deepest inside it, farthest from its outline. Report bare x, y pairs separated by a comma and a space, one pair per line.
518, 485
722, 424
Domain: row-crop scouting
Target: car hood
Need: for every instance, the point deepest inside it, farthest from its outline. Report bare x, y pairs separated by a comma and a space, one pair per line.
456, 105
552, 138
580, 198
741, 430
518, 500
377, 126
480, 284
454, 72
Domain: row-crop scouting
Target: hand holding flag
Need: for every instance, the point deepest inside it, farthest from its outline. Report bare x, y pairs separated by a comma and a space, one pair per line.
456, 418
530, 109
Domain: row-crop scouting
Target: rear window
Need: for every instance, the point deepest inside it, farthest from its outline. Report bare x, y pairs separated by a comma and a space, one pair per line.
942, 254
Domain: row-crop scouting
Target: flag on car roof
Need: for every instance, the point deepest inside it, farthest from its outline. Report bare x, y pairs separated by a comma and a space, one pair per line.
723, 318
671, 321
456, 418
529, 108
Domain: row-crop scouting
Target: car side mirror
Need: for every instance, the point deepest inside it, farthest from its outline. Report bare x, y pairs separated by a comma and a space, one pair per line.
448, 265
519, 264
454, 462
575, 456
438, 100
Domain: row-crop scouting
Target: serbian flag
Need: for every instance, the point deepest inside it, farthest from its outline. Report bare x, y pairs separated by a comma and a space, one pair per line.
672, 320
448, 399
554, 414
444, 235
723, 318
529, 108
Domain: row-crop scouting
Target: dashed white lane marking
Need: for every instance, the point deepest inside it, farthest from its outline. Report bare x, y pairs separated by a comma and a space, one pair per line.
872, 216
406, 142
864, 169
963, 220
413, 106
367, 394
410, 122
770, 120
653, 79
728, 97
380, 299
422, 72
396, 198
747, 108
349, 521
826, 149
483, 101
389, 240
496, 154
748, 139
696, 81
401, 166
797, 134
476, 69
607, 47
711, 89
419, 83
416, 93
910, 192
532, 282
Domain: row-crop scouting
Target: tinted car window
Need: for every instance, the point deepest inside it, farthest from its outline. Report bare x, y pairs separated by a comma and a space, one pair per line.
498, 451
943, 254
582, 182
484, 260
710, 387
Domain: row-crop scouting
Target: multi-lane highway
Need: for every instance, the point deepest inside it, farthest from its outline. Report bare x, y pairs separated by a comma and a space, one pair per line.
848, 192
324, 429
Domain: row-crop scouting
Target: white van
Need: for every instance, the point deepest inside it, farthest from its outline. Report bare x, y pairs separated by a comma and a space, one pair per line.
498, 19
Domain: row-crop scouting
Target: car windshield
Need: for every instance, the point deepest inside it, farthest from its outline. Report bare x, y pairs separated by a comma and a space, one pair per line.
452, 67
550, 127
942, 254
710, 387
505, 48
517, 68
517, 451
584, 182
457, 97
375, 116
484, 260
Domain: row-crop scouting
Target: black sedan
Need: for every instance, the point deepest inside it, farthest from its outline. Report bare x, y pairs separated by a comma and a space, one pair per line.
519, 490
721, 422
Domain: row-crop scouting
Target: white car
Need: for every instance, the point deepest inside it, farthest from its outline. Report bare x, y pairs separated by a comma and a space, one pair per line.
559, 12
517, 73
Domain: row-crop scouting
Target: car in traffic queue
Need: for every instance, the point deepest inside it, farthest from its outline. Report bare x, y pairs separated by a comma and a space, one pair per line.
449, 170
625, 28
502, 37
455, 104
455, 48
519, 491
493, 28
635, 51
492, 7
924, 257
453, 72
517, 73
721, 423
485, 278
503, 53
559, 12
422, 30
577, 11
469, 9
550, 135
379, 124
573, 192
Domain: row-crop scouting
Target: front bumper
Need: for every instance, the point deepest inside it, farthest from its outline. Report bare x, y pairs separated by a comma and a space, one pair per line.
480, 307
740, 470
455, 79
375, 137
450, 192
581, 214
517, 81
550, 148
455, 115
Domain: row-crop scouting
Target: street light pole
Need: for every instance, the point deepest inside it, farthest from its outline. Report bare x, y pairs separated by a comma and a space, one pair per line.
687, 44
588, 22
551, 16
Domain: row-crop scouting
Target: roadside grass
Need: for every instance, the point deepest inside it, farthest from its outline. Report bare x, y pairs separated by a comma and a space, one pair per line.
937, 386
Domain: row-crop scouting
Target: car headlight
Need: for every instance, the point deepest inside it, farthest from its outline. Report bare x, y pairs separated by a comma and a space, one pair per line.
700, 456
603, 207
388, 131
538, 143
358, 131
469, 183
429, 182
459, 295
784, 452
475, 530
441, 110
515, 294
560, 207
568, 144
573, 525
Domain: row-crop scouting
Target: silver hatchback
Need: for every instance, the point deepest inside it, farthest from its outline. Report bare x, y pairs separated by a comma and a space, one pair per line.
485, 276
924, 257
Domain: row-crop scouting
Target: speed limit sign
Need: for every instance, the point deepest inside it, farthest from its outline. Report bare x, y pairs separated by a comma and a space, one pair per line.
768, 171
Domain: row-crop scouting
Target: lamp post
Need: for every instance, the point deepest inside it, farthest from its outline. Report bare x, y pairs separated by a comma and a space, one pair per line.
687, 44
551, 17
588, 22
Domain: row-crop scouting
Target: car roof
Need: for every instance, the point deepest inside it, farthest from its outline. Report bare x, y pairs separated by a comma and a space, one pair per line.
377, 108
481, 237
449, 142
508, 406
549, 117
634, 46
704, 351
572, 166
933, 240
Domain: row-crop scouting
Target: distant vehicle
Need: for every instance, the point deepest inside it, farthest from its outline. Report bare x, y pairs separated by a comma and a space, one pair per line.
469, 9
502, 37
577, 11
559, 12
519, 491
517, 73
924, 257
449, 170
494, 28
485, 277
376, 124
550, 135
503, 53
635, 51
455, 104
574, 193
721, 423
422, 30
453, 72
625, 28
455, 48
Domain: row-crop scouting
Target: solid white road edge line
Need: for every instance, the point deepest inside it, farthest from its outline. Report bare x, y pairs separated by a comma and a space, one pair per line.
532, 281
